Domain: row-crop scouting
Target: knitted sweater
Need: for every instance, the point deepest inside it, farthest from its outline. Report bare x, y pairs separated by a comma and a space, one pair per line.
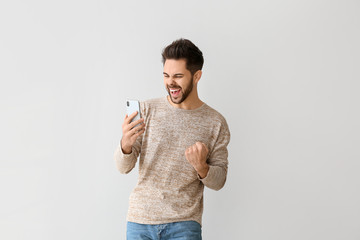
169, 188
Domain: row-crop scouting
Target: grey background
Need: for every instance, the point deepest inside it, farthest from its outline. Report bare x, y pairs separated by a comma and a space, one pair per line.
285, 74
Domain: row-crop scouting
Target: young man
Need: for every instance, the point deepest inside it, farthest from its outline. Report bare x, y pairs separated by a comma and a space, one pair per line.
182, 144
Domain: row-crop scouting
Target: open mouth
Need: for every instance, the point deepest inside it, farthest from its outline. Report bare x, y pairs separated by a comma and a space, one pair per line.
175, 92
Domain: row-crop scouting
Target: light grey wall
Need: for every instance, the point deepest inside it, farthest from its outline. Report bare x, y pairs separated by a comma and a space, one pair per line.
285, 74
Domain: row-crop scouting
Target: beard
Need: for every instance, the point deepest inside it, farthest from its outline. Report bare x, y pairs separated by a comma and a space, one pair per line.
184, 92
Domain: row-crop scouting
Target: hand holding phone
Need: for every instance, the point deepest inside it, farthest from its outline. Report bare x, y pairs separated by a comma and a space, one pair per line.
131, 107
132, 127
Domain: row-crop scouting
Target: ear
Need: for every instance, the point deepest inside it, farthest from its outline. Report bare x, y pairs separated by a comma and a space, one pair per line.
197, 76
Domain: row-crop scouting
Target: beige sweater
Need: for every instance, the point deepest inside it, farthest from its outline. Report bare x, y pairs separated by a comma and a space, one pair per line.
169, 189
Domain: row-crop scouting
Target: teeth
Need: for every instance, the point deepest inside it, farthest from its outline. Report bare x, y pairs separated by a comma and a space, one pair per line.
174, 90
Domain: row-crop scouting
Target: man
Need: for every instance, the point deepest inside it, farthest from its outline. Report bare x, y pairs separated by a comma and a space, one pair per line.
182, 144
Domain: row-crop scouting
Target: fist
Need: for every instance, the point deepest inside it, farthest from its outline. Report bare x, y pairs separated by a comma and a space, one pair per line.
197, 156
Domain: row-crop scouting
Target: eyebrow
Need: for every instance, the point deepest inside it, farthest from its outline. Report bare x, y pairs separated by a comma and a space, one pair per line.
176, 74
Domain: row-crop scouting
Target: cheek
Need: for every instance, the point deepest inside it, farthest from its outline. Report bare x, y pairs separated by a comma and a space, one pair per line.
185, 84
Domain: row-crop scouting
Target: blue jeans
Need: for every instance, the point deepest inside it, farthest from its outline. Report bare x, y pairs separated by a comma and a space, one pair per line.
187, 230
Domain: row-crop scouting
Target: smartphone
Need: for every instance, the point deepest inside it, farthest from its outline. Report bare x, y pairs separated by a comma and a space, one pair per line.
133, 106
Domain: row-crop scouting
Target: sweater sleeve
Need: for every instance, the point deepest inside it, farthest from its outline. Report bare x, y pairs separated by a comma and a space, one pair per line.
218, 161
126, 162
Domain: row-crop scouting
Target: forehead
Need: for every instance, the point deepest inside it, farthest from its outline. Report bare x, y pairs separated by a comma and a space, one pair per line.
175, 65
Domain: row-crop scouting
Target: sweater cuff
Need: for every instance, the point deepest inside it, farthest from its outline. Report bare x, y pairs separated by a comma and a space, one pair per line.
126, 156
209, 177
123, 160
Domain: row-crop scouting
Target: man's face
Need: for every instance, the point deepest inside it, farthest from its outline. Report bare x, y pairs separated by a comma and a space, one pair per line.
177, 79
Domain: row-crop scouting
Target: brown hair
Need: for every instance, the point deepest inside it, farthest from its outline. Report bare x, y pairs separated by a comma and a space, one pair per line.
184, 49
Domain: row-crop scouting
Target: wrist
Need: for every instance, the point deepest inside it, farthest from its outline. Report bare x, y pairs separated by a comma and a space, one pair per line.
125, 149
203, 170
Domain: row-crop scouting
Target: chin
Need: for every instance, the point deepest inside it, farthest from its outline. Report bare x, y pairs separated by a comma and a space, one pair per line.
176, 101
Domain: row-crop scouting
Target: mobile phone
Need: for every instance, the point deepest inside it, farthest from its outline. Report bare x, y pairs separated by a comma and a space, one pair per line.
131, 107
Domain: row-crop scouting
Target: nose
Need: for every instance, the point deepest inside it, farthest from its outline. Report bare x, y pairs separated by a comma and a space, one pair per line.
171, 81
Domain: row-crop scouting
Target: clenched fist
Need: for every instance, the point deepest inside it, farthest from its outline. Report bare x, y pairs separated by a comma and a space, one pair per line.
197, 156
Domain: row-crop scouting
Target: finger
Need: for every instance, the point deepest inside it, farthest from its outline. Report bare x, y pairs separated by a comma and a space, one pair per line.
140, 132
204, 145
129, 118
136, 129
194, 148
136, 135
198, 145
132, 124
135, 132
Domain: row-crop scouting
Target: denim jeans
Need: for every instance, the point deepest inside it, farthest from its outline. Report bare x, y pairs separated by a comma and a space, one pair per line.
187, 230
